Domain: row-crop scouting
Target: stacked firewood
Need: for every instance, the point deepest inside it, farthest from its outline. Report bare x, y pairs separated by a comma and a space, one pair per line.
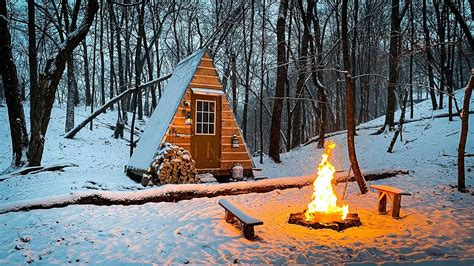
173, 165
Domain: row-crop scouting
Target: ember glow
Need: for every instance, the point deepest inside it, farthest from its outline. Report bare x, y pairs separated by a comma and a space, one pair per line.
323, 207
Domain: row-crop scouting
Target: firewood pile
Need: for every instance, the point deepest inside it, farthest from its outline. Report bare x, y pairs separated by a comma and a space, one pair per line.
172, 165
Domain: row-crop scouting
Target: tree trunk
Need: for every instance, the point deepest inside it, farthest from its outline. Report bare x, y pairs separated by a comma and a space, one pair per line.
318, 76
248, 57
441, 21
399, 130
121, 72
71, 83
274, 149
93, 71
303, 57
8, 72
111, 59
138, 69
429, 58
32, 54
101, 55
349, 102
2, 93
463, 135
86, 74
354, 59
71, 94
262, 72
393, 65
150, 73
412, 47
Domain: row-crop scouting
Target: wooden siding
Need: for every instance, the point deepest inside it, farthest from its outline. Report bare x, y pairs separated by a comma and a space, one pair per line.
180, 134
230, 155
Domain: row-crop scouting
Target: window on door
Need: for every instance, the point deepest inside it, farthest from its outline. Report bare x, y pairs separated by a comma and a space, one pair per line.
205, 117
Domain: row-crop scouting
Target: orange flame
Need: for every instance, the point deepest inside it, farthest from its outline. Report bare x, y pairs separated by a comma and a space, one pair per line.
323, 207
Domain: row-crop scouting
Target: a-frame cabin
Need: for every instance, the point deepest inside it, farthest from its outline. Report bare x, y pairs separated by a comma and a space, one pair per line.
194, 113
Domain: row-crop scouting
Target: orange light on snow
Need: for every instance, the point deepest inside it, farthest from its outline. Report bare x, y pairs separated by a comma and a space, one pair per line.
323, 207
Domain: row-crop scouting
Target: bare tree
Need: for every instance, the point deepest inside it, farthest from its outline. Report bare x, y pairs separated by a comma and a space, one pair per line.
248, 49
303, 57
349, 102
32, 54
262, 74
394, 50
8, 72
71, 79
274, 150
463, 135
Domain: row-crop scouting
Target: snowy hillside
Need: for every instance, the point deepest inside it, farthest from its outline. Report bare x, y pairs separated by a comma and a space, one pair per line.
436, 225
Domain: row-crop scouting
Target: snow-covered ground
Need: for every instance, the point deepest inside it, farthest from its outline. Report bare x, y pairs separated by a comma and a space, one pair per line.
437, 221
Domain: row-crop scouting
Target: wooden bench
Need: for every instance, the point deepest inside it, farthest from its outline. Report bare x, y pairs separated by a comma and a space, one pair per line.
393, 194
247, 222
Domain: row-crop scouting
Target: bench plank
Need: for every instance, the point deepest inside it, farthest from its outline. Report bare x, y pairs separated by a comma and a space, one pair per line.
390, 189
239, 213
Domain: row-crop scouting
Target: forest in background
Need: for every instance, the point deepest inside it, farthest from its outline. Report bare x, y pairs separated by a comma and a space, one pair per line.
288, 67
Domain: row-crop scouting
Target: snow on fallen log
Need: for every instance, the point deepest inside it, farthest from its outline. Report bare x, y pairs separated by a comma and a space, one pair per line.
37, 169
174, 193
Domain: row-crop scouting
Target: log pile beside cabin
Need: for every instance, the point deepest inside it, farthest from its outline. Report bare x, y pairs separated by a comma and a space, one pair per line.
172, 165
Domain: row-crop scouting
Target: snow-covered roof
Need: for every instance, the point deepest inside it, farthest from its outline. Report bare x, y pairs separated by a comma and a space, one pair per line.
164, 112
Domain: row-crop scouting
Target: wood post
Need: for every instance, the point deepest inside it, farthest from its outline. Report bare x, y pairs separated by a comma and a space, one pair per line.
248, 231
397, 203
382, 202
229, 217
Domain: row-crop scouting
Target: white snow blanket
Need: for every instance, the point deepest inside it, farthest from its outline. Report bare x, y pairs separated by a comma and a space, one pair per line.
437, 223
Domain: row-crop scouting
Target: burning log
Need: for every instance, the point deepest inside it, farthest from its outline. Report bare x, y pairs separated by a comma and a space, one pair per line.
173, 165
300, 219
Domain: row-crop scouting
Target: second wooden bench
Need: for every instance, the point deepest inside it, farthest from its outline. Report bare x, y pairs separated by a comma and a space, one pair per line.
247, 222
393, 194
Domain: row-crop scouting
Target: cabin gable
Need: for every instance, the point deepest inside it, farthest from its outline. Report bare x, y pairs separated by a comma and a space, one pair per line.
204, 81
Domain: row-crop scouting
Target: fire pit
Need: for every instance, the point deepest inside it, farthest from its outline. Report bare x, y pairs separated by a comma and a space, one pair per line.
323, 210
300, 219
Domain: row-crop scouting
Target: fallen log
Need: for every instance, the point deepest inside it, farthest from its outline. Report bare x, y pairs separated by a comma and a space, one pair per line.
73, 132
37, 169
373, 175
175, 193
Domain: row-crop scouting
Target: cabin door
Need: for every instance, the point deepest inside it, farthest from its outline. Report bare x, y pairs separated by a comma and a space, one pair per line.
206, 137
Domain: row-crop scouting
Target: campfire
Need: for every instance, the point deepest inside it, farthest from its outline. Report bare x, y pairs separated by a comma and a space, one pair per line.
324, 211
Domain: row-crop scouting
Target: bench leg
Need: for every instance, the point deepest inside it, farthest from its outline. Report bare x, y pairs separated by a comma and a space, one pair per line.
248, 231
397, 204
382, 202
229, 217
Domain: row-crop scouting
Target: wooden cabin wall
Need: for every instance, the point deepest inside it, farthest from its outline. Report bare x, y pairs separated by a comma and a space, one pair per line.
230, 155
180, 134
